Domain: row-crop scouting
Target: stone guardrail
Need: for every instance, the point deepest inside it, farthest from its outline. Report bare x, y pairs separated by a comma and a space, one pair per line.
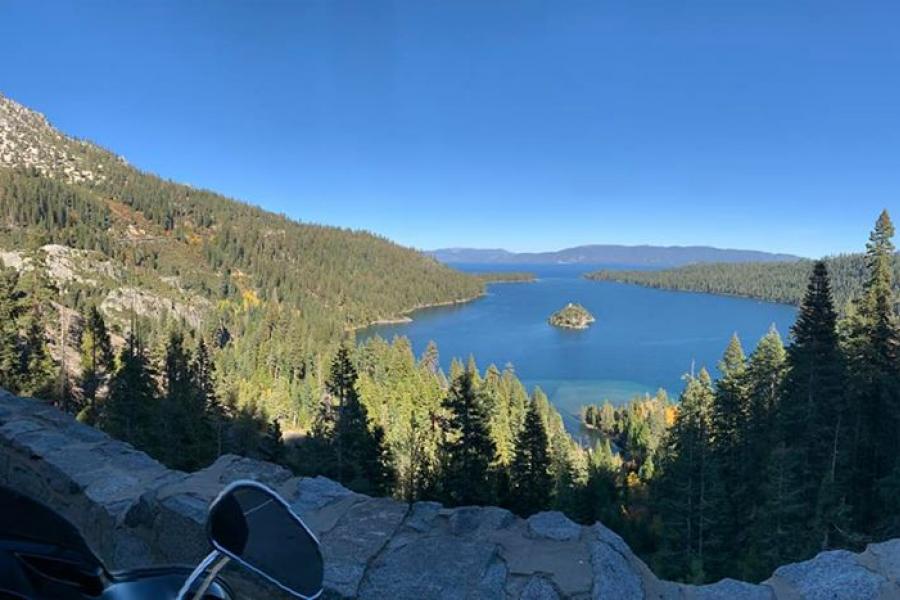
134, 512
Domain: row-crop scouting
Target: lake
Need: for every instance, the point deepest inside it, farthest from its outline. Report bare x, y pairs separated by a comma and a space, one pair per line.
643, 339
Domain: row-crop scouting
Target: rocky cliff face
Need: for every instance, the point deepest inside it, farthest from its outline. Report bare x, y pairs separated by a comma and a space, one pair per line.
135, 512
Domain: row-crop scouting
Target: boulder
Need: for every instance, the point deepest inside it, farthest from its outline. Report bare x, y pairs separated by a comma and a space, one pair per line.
441, 567
834, 575
553, 525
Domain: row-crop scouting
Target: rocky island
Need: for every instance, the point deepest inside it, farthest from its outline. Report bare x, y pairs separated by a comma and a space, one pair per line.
572, 316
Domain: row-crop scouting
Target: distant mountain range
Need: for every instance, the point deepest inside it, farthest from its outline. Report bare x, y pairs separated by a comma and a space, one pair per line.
655, 256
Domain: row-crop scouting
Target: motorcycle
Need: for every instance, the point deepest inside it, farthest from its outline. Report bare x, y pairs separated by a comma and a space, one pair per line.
43, 556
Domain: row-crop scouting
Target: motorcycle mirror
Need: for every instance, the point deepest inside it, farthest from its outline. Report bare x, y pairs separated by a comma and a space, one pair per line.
253, 526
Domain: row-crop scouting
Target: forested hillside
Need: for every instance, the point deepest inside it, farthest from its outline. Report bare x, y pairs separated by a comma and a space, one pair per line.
774, 281
275, 295
332, 274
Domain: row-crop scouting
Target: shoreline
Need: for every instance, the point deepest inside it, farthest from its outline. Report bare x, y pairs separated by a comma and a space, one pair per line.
404, 316
496, 281
690, 291
506, 277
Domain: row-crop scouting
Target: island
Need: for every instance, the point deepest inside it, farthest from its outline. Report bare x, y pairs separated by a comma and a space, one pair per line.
572, 316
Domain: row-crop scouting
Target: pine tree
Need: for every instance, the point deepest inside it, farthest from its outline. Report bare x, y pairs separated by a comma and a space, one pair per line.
467, 448
203, 373
873, 348
175, 420
681, 490
186, 432
782, 528
571, 497
96, 361
271, 443
9, 334
765, 374
472, 367
601, 490
130, 411
35, 367
810, 442
531, 480
729, 495
431, 358
360, 458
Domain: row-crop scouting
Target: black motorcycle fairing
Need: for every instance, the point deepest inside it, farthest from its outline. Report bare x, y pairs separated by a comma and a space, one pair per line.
157, 584
44, 557
25, 519
45, 571
40, 572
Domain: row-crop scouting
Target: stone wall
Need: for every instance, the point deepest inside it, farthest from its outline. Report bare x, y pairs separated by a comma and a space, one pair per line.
135, 512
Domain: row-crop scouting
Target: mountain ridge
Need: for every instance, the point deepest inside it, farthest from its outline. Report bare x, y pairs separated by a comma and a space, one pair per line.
57, 189
633, 255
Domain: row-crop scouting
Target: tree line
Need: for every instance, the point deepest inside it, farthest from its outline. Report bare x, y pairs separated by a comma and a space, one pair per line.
791, 450
772, 281
251, 271
162, 399
393, 423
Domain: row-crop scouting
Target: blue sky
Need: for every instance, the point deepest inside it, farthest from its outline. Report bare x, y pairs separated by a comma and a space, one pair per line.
527, 125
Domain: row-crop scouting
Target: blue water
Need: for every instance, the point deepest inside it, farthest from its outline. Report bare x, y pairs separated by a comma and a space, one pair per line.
643, 339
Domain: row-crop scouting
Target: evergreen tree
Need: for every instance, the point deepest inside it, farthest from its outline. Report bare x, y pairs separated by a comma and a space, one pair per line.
271, 443
130, 411
601, 490
571, 497
203, 373
681, 490
35, 367
431, 358
729, 497
467, 448
96, 361
782, 533
873, 345
251, 433
765, 373
472, 368
810, 442
185, 430
9, 333
531, 480
359, 455
456, 368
